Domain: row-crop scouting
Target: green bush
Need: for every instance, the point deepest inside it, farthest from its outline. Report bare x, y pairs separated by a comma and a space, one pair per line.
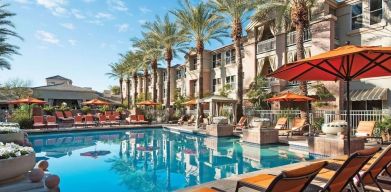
49, 110
103, 109
119, 109
86, 110
23, 117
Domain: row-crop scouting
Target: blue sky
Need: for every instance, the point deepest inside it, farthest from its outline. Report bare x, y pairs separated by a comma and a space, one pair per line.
77, 38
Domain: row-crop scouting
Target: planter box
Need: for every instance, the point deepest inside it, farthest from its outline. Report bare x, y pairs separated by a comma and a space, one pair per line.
260, 136
12, 137
334, 146
219, 130
14, 168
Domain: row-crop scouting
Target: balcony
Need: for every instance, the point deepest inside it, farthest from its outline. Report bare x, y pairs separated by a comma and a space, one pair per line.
266, 45
291, 37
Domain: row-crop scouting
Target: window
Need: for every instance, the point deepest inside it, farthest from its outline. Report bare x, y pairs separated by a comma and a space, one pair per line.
230, 56
164, 76
195, 63
164, 93
178, 74
216, 60
231, 81
376, 11
357, 18
215, 84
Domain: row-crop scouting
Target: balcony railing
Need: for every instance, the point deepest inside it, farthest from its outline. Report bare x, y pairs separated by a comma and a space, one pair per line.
291, 37
267, 45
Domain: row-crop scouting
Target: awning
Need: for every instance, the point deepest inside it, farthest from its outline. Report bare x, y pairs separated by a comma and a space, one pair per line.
296, 90
368, 94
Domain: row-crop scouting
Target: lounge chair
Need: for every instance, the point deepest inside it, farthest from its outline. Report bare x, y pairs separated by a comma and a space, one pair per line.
61, 117
51, 122
365, 129
295, 180
191, 120
113, 120
89, 121
141, 119
68, 115
298, 127
281, 123
117, 115
369, 176
343, 176
131, 119
38, 122
108, 113
242, 123
102, 120
181, 120
78, 121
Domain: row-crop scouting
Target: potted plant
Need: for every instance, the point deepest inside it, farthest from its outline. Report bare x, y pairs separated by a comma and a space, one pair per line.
384, 127
10, 132
86, 110
15, 160
49, 110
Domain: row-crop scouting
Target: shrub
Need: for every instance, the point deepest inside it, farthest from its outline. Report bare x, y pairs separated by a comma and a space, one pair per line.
23, 118
86, 110
49, 110
119, 109
103, 109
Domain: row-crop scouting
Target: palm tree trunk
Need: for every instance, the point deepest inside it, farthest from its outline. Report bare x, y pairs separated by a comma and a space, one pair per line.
145, 83
168, 81
128, 91
135, 89
300, 55
120, 90
200, 74
239, 92
154, 81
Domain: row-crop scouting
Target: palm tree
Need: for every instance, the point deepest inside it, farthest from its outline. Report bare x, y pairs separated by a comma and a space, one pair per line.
152, 53
202, 25
6, 31
235, 11
171, 38
117, 71
286, 13
132, 62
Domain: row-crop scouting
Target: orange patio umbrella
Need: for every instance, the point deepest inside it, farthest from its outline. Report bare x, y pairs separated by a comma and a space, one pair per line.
191, 102
28, 101
290, 97
346, 63
147, 103
96, 102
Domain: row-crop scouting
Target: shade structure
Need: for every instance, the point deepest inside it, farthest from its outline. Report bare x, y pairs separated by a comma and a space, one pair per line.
96, 102
191, 102
346, 63
290, 97
28, 101
147, 103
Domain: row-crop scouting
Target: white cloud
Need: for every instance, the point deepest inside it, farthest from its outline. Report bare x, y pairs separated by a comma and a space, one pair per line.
69, 26
47, 37
142, 21
55, 6
118, 5
123, 27
144, 10
72, 42
77, 14
102, 15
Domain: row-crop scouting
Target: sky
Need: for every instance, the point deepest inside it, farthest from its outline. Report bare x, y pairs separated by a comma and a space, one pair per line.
78, 39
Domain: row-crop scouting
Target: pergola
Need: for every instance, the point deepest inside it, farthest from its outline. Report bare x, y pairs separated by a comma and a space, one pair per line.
216, 102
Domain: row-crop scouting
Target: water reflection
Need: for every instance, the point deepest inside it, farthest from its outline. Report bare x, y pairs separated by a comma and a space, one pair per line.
160, 160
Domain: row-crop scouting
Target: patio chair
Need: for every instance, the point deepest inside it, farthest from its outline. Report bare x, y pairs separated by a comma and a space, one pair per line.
89, 121
281, 123
117, 115
191, 120
141, 119
51, 122
298, 127
338, 180
108, 113
102, 120
113, 120
181, 120
242, 123
369, 176
131, 119
38, 122
295, 180
365, 129
68, 115
61, 117
78, 121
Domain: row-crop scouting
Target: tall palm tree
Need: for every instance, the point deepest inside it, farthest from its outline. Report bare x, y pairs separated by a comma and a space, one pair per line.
132, 62
152, 53
6, 31
172, 39
235, 11
117, 71
286, 13
202, 25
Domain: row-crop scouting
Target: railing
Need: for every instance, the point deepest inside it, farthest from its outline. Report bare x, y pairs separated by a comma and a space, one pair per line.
291, 37
267, 45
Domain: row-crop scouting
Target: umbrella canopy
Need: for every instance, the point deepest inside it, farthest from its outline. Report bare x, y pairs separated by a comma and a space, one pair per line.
290, 97
345, 63
28, 101
147, 103
191, 102
96, 102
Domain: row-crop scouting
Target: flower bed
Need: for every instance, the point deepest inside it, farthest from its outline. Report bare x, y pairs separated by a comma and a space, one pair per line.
10, 132
9, 128
15, 160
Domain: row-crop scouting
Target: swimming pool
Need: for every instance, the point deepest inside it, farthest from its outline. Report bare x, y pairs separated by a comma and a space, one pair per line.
151, 159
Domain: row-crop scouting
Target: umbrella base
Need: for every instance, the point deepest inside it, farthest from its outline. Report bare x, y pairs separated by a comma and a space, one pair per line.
334, 145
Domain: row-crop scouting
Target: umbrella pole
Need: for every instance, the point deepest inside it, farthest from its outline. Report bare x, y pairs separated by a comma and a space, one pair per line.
348, 113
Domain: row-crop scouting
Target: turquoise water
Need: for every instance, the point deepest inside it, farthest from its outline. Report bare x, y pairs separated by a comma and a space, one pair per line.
151, 159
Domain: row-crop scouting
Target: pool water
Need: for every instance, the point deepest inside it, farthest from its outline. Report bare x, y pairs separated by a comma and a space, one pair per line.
151, 159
